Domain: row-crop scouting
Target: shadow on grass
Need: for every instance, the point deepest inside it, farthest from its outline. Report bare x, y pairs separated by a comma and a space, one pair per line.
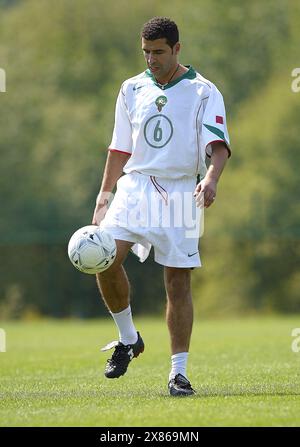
154, 393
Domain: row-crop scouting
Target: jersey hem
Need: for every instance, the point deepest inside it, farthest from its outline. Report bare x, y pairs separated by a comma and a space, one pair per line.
117, 150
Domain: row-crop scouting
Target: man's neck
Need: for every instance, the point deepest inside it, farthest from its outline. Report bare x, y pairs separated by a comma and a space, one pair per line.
175, 73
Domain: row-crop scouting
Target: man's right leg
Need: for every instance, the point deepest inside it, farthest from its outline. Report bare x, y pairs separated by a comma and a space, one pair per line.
113, 282
115, 290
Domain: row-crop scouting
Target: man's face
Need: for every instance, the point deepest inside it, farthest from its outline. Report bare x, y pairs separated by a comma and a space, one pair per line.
160, 57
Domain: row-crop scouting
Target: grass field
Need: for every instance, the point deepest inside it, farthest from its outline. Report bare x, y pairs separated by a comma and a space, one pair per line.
244, 371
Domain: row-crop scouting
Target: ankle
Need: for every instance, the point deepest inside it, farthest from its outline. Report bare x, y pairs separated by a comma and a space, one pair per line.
127, 332
179, 364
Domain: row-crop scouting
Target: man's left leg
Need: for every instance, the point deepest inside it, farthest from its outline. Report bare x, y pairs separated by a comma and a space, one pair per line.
179, 318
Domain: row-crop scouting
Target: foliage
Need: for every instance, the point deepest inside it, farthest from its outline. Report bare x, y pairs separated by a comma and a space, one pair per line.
64, 62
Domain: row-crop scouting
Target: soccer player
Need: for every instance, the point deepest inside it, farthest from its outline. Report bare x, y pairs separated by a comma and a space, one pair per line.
168, 119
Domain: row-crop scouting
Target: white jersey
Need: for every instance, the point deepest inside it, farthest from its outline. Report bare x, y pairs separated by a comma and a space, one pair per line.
168, 130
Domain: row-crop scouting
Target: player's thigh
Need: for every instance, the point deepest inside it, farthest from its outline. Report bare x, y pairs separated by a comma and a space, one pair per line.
123, 248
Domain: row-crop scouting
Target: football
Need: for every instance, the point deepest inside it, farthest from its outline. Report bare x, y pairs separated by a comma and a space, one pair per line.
91, 249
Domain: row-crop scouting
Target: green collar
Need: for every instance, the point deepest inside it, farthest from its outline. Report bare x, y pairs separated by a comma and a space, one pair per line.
190, 74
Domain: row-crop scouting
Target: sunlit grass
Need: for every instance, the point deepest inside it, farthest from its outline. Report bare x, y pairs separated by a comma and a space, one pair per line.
244, 371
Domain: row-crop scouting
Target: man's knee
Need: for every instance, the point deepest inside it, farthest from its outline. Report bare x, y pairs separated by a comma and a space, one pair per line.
177, 282
123, 248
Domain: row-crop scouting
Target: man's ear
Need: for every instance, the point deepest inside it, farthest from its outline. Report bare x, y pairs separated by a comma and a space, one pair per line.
176, 48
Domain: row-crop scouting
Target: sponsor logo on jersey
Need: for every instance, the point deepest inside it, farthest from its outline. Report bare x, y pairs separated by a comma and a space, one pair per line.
219, 119
160, 102
137, 87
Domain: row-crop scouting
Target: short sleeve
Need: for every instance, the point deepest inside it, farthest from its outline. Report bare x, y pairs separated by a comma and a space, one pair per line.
122, 134
213, 126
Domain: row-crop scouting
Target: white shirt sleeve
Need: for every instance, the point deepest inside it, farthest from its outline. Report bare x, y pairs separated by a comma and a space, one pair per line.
122, 134
213, 126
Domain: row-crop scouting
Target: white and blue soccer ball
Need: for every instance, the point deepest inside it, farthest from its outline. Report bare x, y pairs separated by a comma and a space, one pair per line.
91, 249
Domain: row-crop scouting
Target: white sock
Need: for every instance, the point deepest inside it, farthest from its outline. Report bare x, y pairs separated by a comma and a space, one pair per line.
179, 363
127, 331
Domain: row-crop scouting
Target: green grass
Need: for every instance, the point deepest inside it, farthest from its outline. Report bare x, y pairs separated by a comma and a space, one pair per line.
244, 371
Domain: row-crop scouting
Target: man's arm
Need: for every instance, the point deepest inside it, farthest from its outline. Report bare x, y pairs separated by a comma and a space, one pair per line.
207, 188
114, 165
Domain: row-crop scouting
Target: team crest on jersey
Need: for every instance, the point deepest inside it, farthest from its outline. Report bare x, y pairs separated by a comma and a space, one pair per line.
160, 102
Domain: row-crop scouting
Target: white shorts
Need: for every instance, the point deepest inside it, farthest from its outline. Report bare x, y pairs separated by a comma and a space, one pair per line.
147, 211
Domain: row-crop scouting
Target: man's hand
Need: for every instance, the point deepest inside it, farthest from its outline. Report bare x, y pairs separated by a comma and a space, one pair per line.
101, 207
205, 192
99, 212
115, 163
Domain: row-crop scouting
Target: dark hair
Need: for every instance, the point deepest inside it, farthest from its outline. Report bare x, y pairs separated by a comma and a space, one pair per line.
159, 28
